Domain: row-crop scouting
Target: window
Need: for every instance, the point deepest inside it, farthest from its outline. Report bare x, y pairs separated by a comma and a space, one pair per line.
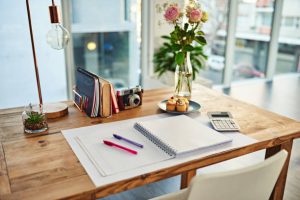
252, 38
215, 30
106, 54
287, 22
17, 76
106, 39
288, 59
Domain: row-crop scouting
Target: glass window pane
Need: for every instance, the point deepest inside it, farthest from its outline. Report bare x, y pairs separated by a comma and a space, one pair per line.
288, 59
17, 76
252, 38
108, 44
105, 54
215, 30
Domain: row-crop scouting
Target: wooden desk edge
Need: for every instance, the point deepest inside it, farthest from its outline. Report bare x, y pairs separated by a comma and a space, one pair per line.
161, 174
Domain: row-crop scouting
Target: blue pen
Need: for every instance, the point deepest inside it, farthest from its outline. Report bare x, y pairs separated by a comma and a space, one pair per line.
127, 140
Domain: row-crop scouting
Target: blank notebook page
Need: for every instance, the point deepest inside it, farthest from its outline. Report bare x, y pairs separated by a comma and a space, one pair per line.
110, 160
183, 134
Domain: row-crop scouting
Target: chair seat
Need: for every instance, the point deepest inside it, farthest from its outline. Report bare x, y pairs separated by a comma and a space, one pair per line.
180, 195
251, 182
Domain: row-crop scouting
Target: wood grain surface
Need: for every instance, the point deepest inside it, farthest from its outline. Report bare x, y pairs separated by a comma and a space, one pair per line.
45, 167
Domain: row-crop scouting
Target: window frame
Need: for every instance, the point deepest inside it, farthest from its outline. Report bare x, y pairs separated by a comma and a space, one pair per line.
147, 67
127, 25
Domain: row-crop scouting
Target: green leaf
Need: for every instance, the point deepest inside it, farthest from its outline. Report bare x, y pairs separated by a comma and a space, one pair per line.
200, 33
191, 33
176, 47
164, 57
174, 36
166, 37
188, 48
179, 58
201, 40
186, 26
198, 48
167, 44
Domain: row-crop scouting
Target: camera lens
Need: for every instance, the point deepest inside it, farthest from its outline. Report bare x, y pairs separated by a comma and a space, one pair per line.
134, 100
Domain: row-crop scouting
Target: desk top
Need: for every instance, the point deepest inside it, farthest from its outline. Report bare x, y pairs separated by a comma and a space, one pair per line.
45, 167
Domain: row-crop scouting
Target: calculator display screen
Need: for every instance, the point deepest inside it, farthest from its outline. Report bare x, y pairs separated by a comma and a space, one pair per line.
220, 115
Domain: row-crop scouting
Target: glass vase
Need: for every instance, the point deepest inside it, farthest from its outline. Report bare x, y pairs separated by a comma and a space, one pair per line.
34, 119
183, 78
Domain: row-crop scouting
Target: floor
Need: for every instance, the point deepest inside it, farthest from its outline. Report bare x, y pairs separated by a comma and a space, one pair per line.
281, 96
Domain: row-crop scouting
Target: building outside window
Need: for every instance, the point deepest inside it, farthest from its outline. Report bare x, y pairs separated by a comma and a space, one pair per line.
252, 38
288, 59
106, 39
215, 29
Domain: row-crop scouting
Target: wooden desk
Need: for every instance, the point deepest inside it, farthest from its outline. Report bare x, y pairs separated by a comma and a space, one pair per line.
44, 167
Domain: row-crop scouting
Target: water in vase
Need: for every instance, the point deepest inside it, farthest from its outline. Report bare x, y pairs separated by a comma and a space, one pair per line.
183, 84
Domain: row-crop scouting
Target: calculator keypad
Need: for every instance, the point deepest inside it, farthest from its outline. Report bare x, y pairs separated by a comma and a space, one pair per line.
225, 124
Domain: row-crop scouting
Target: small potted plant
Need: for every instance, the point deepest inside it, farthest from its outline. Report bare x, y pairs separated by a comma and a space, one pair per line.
34, 120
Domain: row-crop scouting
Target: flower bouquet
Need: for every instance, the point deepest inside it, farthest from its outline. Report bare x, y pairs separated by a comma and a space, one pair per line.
187, 31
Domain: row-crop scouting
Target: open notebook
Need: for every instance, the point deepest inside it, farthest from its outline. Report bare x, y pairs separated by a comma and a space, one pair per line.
180, 134
162, 139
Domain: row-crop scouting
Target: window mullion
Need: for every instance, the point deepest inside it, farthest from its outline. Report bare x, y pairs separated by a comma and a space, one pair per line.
230, 42
273, 45
69, 56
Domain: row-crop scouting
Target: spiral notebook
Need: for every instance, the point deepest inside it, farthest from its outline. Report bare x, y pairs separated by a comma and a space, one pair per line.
108, 160
180, 134
163, 139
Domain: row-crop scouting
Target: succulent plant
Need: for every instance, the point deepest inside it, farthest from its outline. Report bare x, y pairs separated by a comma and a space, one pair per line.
34, 117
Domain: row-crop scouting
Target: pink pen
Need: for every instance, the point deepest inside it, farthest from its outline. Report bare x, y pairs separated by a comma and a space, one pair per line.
109, 143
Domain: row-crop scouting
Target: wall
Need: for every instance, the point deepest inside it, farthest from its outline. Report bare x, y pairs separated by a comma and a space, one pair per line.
81, 10
17, 76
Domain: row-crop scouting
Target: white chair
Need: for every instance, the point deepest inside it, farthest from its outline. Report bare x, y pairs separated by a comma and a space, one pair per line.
253, 182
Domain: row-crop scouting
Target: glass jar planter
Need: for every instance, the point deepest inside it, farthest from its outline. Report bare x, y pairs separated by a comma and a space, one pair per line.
34, 119
183, 78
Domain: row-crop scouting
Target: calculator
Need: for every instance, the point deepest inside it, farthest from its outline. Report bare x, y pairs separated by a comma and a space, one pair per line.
223, 121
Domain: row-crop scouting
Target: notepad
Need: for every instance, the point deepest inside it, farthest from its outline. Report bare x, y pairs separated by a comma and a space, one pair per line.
108, 160
163, 139
180, 134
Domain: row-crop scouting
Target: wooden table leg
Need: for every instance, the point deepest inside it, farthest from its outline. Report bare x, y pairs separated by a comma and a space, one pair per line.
278, 190
186, 178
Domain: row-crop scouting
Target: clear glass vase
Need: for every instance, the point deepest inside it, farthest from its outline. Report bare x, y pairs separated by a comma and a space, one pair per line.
34, 119
183, 78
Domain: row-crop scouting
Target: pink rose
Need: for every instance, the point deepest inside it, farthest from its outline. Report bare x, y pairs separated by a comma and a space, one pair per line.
172, 13
194, 15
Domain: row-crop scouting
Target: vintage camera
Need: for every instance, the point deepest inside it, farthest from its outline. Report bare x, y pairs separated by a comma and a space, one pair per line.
130, 98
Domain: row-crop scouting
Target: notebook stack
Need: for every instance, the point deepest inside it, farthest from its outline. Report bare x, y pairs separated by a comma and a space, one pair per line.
93, 94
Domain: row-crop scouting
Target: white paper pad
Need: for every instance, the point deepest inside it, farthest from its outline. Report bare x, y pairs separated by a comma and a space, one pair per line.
238, 140
107, 159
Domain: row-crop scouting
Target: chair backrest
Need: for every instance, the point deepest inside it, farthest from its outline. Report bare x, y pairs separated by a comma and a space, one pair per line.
253, 182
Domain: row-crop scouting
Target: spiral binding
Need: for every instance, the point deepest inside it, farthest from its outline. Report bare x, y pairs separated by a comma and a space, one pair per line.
158, 142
